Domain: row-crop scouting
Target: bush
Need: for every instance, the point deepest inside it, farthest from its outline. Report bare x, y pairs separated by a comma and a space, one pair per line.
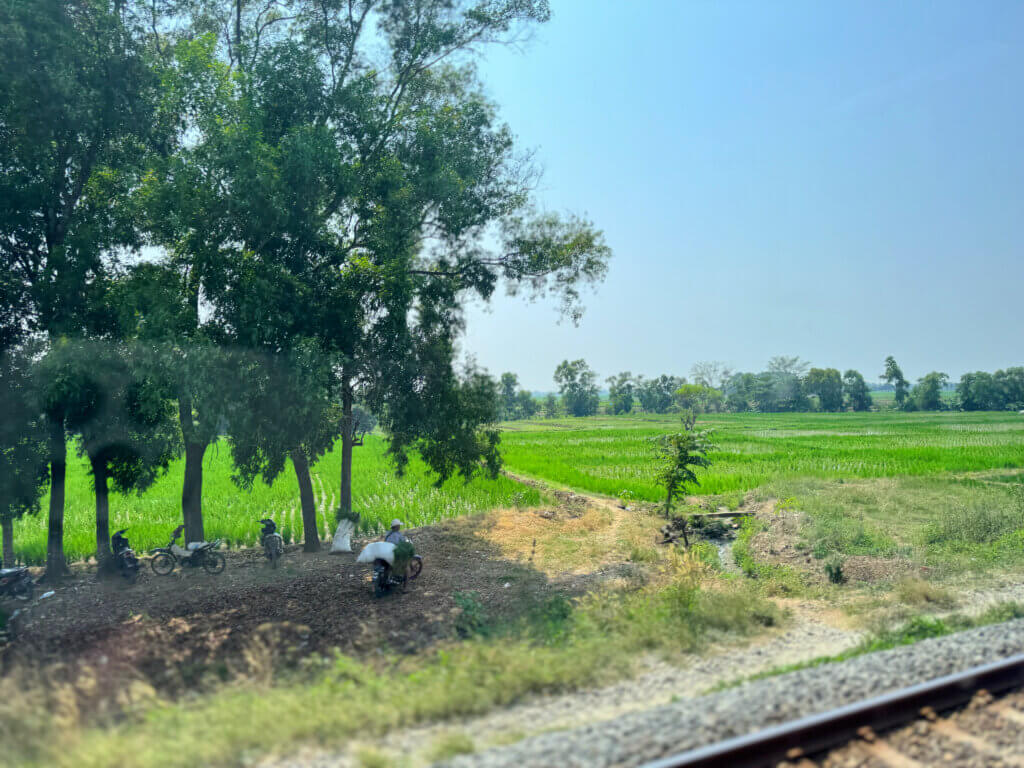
472, 620
834, 570
404, 552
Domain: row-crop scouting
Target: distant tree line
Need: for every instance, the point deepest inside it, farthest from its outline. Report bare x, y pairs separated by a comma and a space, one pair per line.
789, 384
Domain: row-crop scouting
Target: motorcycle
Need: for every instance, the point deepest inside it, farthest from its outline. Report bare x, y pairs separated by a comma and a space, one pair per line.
16, 583
273, 544
385, 579
124, 556
195, 554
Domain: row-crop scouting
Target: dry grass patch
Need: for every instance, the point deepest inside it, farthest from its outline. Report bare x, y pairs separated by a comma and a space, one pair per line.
559, 542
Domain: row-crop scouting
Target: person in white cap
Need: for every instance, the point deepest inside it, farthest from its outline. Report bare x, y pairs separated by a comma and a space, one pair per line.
396, 536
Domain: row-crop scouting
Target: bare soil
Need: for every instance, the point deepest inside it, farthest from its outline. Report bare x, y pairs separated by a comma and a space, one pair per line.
174, 632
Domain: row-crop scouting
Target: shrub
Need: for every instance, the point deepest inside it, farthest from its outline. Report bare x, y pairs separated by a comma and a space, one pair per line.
472, 620
913, 590
977, 523
834, 570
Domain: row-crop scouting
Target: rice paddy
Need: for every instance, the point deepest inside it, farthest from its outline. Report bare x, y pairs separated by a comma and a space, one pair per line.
612, 455
609, 455
231, 513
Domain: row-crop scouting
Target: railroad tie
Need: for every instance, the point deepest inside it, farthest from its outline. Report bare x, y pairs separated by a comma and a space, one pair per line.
953, 731
1007, 712
891, 757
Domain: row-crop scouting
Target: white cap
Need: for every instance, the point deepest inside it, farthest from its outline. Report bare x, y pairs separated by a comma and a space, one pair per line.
395, 522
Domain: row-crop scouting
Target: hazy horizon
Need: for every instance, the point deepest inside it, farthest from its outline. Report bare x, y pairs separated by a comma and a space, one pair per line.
841, 182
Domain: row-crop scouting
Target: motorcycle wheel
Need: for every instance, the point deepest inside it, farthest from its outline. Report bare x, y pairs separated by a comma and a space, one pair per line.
214, 562
24, 590
381, 583
162, 564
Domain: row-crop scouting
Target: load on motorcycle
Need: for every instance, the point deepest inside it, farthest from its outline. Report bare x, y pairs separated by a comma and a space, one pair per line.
124, 556
395, 562
273, 544
195, 554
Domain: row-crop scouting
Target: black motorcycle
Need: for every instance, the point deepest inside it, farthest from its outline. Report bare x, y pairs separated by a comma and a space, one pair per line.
125, 559
386, 579
16, 583
273, 544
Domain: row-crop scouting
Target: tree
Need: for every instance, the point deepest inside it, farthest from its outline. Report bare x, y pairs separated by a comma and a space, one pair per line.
698, 398
290, 413
894, 376
620, 393
509, 385
77, 106
577, 385
360, 180
793, 366
855, 391
677, 458
130, 435
1010, 383
656, 395
927, 393
23, 448
827, 384
550, 405
526, 406
711, 373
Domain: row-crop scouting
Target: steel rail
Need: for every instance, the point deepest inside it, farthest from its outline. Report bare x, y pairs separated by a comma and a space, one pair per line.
826, 730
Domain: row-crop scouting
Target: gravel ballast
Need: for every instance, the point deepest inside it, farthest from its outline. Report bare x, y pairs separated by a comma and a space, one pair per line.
640, 737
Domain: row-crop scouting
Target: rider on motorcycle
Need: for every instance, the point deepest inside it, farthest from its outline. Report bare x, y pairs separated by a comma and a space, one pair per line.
395, 536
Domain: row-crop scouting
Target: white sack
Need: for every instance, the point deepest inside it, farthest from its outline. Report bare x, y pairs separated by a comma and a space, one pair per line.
343, 537
377, 550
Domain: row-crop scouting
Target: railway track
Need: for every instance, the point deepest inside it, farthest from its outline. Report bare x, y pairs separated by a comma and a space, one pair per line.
974, 718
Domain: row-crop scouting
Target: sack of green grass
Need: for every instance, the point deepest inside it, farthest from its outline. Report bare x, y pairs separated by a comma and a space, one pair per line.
404, 552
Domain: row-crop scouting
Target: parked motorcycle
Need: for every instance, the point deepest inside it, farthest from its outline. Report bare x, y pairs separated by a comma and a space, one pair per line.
124, 556
195, 554
273, 544
16, 583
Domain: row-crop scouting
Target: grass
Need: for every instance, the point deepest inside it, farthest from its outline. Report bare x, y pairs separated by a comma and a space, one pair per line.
231, 513
916, 629
560, 648
610, 454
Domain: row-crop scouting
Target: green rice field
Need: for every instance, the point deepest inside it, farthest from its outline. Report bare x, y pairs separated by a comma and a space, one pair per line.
231, 513
608, 455
612, 454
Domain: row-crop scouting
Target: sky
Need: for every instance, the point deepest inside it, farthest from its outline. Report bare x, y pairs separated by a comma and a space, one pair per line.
841, 181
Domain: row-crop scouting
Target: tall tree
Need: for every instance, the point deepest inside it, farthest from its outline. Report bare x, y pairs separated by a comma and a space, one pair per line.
509, 384
827, 384
784, 364
711, 373
657, 395
291, 413
23, 449
894, 376
927, 393
77, 105
131, 433
620, 393
577, 384
855, 391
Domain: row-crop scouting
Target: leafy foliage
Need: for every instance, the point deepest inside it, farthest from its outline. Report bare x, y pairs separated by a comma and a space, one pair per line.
678, 456
577, 384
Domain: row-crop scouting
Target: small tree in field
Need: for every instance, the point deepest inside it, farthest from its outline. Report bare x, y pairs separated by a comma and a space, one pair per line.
678, 455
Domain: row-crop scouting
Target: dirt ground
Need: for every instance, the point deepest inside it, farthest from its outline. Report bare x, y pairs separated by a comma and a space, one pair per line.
192, 629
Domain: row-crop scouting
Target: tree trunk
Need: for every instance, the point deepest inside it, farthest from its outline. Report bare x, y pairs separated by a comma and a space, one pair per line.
345, 505
192, 487
310, 535
99, 477
192, 492
7, 524
56, 565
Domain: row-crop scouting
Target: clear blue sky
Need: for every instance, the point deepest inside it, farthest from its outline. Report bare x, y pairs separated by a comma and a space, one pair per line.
836, 180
